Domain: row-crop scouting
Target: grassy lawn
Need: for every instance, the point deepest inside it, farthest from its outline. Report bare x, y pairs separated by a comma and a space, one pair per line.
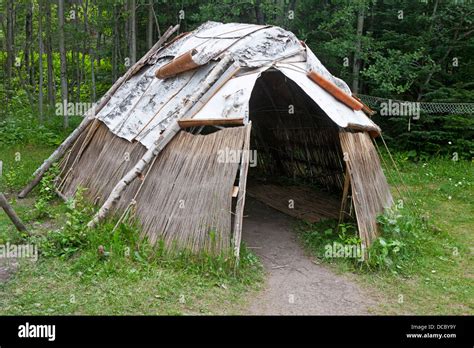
72, 277
442, 282
431, 275
436, 277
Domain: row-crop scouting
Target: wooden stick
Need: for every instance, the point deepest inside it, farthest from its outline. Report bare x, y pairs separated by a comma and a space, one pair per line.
91, 115
159, 144
11, 214
239, 207
347, 180
210, 122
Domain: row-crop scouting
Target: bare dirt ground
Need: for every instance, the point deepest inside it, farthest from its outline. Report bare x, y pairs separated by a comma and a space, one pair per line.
7, 268
296, 284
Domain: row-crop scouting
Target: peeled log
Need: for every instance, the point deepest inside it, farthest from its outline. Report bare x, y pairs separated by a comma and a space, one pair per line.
91, 115
335, 91
11, 214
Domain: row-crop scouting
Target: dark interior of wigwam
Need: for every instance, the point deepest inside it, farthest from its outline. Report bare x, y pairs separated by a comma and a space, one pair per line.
300, 167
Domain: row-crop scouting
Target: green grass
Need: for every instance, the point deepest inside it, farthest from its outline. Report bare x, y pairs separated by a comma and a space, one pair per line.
72, 277
432, 273
87, 283
19, 163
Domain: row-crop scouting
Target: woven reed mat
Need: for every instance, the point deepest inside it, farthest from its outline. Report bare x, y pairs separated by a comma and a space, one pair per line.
308, 204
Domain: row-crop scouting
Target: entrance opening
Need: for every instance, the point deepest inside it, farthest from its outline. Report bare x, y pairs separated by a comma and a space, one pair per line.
299, 164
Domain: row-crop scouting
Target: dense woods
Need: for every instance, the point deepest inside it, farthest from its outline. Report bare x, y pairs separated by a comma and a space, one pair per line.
59, 52
59, 57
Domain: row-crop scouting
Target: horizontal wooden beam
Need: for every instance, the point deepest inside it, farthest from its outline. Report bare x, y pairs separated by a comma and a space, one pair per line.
187, 123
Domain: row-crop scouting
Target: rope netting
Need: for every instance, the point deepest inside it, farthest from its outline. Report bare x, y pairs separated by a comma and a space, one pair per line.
427, 107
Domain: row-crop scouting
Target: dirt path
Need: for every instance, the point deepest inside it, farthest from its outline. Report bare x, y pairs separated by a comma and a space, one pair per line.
296, 285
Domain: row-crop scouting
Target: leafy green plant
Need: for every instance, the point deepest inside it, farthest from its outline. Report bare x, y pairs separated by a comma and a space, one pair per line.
46, 193
70, 238
404, 237
13, 176
327, 235
402, 233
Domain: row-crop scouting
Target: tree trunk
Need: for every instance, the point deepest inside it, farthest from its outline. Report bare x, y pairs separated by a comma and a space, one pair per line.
49, 56
133, 34
115, 45
158, 30
259, 13
62, 54
357, 61
149, 32
90, 51
40, 60
28, 41
99, 34
77, 61
11, 214
9, 46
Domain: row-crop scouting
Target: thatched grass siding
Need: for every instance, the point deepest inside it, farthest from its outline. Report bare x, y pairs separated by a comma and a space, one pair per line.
370, 190
185, 198
104, 161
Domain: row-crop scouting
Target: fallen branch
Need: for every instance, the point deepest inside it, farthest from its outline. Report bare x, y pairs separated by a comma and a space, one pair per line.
159, 144
91, 114
11, 214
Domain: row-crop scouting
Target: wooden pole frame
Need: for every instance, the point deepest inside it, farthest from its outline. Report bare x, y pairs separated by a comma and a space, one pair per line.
11, 214
239, 207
